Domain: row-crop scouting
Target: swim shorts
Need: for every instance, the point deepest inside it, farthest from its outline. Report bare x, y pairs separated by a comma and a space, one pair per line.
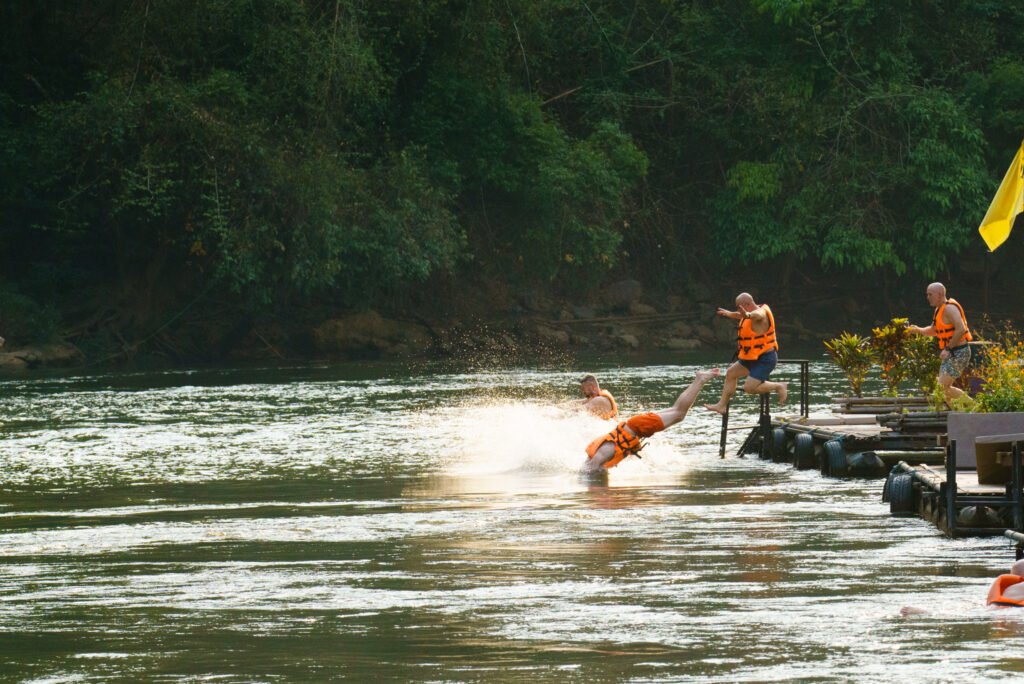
955, 364
761, 367
645, 425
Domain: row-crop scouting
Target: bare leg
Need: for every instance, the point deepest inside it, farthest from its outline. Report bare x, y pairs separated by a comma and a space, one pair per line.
947, 387
673, 415
732, 377
755, 386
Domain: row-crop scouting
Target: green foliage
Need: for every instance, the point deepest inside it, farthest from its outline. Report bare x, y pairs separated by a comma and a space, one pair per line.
25, 321
890, 343
922, 362
1002, 371
345, 152
855, 356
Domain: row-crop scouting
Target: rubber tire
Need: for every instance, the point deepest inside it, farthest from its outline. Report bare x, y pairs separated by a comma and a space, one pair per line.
779, 440
888, 485
803, 451
901, 494
835, 456
776, 440
865, 464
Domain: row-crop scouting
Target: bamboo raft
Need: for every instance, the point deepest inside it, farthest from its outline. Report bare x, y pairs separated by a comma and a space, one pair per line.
864, 437
956, 500
910, 446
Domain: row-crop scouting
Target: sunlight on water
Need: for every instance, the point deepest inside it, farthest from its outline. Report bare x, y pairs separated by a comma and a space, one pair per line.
313, 524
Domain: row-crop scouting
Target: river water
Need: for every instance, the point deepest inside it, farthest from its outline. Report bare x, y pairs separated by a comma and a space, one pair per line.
375, 522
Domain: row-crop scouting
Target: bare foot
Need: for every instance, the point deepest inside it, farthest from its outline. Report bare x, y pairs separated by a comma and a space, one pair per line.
716, 408
704, 376
783, 392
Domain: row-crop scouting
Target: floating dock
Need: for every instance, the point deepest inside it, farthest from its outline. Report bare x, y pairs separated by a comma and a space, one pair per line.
911, 446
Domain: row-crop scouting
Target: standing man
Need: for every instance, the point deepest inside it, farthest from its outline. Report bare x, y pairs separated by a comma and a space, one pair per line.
756, 353
606, 451
949, 324
598, 401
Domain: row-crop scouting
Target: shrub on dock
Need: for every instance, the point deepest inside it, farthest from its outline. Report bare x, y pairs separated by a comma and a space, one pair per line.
890, 341
922, 362
855, 356
1002, 371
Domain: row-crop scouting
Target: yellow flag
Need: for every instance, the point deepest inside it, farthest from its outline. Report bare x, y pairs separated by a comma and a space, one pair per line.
1008, 202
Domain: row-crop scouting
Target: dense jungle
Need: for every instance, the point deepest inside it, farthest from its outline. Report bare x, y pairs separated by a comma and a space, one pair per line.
200, 180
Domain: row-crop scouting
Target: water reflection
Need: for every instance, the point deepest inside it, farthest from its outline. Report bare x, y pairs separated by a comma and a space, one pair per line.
316, 523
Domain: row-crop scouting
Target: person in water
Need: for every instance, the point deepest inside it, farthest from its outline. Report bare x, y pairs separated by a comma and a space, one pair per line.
949, 324
1008, 590
608, 450
756, 353
598, 401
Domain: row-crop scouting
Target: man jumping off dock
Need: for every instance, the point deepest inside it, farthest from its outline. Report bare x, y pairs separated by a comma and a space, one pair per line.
756, 352
608, 450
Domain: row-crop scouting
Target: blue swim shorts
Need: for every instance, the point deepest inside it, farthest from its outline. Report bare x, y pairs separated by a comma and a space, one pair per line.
761, 367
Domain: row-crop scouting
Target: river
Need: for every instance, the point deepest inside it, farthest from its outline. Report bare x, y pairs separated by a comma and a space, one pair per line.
380, 522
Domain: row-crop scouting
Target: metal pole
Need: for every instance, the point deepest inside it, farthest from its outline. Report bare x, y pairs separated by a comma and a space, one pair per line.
805, 390
951, 488
765, 420
725, 431
1018, 512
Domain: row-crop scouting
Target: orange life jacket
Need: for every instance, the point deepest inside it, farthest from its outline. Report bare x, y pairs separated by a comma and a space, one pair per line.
944, 331
626, 444
750, 344
995, 592
615, 409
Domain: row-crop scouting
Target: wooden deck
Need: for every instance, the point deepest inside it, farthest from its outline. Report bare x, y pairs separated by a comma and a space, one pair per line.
902, 440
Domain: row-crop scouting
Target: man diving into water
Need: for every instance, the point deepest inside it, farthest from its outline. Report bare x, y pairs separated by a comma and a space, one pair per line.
756, 352
606, 451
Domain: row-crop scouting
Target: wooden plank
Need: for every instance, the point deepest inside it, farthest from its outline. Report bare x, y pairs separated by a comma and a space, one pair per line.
995, 439
888, 400
834, 420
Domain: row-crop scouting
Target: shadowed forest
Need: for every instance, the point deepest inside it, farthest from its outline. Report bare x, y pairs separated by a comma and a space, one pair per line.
188, 178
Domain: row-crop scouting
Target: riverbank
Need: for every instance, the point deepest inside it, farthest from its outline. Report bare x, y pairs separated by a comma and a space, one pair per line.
495, 325
482, 321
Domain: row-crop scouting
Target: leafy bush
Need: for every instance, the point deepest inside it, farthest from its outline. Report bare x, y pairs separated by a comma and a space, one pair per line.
922, 362
890, 341
25, 321
855, 356
1003, 373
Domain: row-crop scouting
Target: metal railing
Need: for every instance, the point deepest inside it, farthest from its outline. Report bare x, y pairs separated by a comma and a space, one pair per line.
1013, 497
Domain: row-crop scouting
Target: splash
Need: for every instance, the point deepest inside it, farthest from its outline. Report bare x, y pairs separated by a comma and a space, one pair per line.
519, 437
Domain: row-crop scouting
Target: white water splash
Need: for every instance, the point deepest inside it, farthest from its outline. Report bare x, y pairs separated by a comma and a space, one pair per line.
523, 438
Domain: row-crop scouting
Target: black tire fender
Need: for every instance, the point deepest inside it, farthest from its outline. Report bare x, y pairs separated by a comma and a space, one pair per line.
803, 451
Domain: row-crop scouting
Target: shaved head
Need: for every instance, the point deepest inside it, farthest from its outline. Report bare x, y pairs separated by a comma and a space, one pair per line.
744, 298
936, 294
1018, 568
